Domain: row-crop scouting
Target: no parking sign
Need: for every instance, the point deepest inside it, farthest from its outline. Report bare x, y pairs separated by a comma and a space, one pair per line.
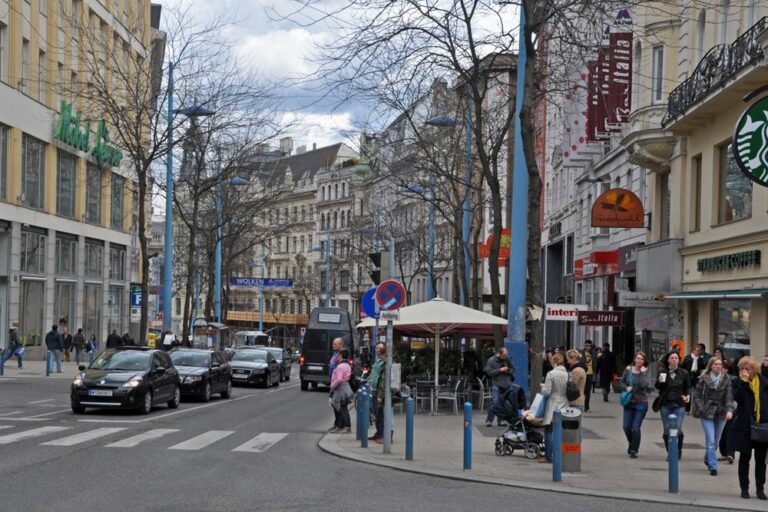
390, 295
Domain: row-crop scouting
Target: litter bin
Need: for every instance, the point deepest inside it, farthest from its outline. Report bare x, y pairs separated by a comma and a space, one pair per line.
571, 446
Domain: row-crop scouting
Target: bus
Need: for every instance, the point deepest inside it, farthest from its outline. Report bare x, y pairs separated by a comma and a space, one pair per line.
252, 338
325, 325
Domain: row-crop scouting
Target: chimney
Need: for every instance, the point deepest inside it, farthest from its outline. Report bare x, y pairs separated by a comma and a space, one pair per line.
286, 145
314, 146
301, 149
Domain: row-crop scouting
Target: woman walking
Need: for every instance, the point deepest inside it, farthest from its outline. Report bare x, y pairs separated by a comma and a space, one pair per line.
751, 395
341, 394
637, 381
713, 404
554, 389
674, 388
579, 376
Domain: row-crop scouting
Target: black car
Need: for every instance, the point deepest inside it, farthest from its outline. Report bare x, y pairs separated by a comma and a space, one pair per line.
202, 373
129, 378
253, 366
283, 360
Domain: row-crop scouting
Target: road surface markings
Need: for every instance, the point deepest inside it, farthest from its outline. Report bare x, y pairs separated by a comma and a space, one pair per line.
5, 426
203, 440
28, 434
42, 401
149, 435
83, 437
260, 443
2, 415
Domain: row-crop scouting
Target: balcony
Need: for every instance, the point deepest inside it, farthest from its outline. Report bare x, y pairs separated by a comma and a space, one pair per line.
720, 67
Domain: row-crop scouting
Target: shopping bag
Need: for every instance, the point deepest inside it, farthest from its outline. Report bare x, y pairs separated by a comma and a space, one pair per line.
539, 405
20, 351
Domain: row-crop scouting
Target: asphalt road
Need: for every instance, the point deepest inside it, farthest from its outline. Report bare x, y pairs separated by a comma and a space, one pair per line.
256, 451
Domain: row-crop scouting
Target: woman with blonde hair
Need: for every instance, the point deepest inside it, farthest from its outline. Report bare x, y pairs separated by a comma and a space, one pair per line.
713, 405
554, 389
635, 380
578, 375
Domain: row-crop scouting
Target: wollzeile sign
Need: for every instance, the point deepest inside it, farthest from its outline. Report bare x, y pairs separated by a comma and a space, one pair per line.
750, 147
69, 131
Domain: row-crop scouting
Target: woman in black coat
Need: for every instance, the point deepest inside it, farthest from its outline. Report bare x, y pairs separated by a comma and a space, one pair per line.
607, 368
744, 395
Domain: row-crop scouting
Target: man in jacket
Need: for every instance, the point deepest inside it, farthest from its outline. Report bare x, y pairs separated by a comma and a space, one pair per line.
14, 343
500, 370
378, 380
79, 343
114, 340
55, 344
607, 370
695, 363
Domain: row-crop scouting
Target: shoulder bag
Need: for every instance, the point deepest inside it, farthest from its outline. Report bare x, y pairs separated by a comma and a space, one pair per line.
758, 432
626, 396
572, 391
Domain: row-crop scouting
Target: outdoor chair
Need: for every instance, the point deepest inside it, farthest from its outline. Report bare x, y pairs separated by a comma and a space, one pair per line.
423, 392
483, 392
453, 393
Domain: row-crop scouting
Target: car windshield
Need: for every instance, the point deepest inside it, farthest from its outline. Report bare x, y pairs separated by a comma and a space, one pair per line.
250, 355
122, 360
277, 354
196, 359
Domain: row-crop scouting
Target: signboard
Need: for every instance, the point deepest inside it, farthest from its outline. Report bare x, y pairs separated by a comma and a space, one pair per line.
135, 295
750, 148
642, 300
618, 208
69, 131
610, 85
261, 282
484, 250
564, 312
628, 258
601, 318
390, 295
390, 316
599, 263
368, 303
729, 261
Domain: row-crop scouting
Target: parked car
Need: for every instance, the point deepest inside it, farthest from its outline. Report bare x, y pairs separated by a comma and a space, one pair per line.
253, 366
202, 373
284, 360
295, 356
128, 378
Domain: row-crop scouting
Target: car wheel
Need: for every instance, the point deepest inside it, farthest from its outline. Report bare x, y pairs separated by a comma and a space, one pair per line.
227, 390
174, 403
267, 378
146, 403
288, 376
205, 396
304, 385
277, 381
78, 409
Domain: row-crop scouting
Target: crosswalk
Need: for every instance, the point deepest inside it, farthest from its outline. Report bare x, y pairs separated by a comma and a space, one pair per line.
122, 437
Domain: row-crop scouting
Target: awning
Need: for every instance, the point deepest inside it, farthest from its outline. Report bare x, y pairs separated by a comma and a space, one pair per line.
754, 293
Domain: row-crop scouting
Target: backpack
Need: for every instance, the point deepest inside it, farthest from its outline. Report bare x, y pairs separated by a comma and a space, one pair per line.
572, 392
354, 383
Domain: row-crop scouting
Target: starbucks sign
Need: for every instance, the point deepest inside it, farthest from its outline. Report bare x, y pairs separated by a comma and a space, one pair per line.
750, 147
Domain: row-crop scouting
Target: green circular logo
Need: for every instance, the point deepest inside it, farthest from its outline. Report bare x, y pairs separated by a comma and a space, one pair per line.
750, 142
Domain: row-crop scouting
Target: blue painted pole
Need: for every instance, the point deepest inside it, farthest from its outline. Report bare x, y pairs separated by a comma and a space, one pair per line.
557, 446
168, 249
217, 276
359, 411
674, 486
431, 239
48, 363
409, 414
2, 362
518, 256
467, 215
467, 436
365, 407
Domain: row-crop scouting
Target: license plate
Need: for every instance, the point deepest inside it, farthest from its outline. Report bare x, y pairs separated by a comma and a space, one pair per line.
239, 376
99, 392
315, 368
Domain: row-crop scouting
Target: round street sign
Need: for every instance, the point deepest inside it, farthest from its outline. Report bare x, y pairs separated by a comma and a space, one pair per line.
369, 303
750, 142
390, 295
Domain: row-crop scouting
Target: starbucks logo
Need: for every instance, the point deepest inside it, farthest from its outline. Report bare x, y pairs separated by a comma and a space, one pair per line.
750, 146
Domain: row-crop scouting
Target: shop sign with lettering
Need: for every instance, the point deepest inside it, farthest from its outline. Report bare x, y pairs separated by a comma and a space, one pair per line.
729, 261
642, 300
564, 312
70, 131
601, 318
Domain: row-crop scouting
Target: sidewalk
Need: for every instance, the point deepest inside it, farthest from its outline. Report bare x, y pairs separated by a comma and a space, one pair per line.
607, 470
36, 370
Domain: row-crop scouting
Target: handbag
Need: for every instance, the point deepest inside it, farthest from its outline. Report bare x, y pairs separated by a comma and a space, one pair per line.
20, 351
626, 396
572, 391
539, 405
758, 433
656, 405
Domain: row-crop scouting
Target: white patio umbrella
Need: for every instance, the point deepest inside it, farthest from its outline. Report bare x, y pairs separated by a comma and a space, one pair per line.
438, 317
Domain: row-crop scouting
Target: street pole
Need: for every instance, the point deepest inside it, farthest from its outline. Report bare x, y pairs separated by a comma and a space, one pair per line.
388, 373
518, 257
261, 293
168, 249
431, 239
376, 248
467, 217
217, 278
328, 270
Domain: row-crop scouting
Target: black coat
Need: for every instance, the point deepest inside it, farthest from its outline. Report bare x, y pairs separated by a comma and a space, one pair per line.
54, 341
114, 340
745, 413
607, 367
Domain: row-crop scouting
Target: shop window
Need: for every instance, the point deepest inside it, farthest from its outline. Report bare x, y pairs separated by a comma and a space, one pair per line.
31, 305
116, 202
66, 257
66, 184
735, 189
33, 172
32, 253
93, 194
116, 263
115, 308
93, 303
733, 317
64, 302
94, 260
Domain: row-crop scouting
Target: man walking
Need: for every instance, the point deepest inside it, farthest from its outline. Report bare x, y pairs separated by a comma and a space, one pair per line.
114, 340
14, 344
79, 343
501, 372
607, 370
377, 374
67, 338
55, 344
587, 358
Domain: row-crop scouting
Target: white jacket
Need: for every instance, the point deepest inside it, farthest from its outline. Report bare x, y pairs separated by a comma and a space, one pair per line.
554, 389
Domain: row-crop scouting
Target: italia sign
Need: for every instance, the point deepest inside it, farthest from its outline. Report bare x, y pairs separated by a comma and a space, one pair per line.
70, 132
750, 148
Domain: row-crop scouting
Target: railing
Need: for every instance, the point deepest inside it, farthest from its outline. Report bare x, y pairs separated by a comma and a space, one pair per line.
719, 65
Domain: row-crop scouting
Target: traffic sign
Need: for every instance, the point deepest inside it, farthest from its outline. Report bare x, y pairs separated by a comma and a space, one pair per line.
368, 303
389, 316
390, 295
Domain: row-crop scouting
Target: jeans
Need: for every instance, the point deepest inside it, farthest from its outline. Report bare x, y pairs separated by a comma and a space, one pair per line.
588, 387
378, 410
56, 354
713, 430
666, 411
5, 356
634, 414
548, 440
78, 351
495, 397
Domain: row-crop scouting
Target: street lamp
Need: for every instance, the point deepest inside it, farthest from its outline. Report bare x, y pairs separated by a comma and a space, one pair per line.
329, 247
261, 290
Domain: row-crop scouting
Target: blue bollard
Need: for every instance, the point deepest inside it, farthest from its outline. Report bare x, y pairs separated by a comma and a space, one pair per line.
557, 448
358, 410
48, 363
467, 436
365, 406
2, 363
672, 454
409, 413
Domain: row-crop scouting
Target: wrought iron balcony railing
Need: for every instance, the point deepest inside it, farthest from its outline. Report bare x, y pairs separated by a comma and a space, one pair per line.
720, 64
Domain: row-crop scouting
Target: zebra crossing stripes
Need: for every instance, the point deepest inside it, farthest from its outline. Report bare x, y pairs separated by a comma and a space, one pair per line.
84, 437
149, 435
29, 434
203, 440
260, 443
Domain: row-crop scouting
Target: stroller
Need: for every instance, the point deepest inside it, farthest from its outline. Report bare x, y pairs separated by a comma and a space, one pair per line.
522, 432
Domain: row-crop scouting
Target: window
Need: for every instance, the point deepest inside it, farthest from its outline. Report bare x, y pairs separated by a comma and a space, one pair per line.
116, 204
177, 309
24, 66
42, 65
695, 194
66, 184
701, 32
344, 281
94, 260
93, 304
116, 262
93, 194
665, 206
31, 308
32, 252
733, 327
657, 74
343, 190
295, 246
3, 161
115, 308
724, 21
309, 242
735, 189
303, 213
33, 172
64, 302
73, 85
66, 257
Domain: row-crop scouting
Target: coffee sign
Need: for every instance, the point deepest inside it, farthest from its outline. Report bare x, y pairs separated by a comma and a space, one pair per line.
750, 147
729, 261
70, 131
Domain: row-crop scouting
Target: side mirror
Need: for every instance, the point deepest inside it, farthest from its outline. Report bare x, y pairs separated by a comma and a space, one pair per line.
160, 370
81, 367
215, 364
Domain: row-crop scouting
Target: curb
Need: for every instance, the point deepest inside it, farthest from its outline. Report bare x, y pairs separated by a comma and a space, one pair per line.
329, 443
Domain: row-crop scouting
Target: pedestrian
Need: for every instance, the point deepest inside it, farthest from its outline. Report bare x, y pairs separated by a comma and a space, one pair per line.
15, 348
695, 363
94, 344
674, 393
127, 340
501, 373
751, 396
78, 341
590, 372
337, 345
67, 338
764, 366
554, 388
607, 370
365, 357
341, 394
713, 405
578, 375
114, 340
377, 401
546, 363
598, 359
55, 344
636, 380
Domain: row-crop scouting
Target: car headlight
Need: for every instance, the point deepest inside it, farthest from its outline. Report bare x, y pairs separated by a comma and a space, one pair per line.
78, 381
133, 383
193, 378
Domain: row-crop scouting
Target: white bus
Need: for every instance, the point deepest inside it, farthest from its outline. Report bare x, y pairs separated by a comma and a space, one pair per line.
252, 338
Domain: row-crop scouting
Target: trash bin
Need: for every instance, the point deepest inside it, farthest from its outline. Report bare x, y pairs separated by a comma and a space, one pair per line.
571, 446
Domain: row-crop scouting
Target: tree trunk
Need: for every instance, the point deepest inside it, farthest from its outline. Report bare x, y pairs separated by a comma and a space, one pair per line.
190, 275
143, 247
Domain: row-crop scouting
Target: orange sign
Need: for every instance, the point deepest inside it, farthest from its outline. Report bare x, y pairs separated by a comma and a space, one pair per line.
484, 250
570, 448
618, 208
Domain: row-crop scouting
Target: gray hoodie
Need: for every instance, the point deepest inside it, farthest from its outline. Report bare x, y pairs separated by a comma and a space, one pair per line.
493, 370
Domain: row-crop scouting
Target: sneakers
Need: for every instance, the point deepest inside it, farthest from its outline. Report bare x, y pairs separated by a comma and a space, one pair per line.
379, 440
632, 455
347, 430
761, 495
336, 430
713, 472
374, 438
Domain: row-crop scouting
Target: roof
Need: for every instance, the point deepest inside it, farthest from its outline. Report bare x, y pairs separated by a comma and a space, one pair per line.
303, 165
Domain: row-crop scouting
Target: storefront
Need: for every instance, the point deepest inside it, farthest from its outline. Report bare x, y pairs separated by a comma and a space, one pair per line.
595, 278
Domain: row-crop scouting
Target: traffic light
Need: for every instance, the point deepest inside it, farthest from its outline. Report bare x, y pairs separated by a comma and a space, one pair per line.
381, 268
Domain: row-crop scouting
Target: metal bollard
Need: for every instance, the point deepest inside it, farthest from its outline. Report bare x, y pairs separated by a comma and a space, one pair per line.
672, 421
557, 442
366, 416
2, 363
48, 363
467, 436
409, 413
358, 411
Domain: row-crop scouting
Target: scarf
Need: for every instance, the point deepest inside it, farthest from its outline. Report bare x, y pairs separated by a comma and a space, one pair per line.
754, 385
715, 379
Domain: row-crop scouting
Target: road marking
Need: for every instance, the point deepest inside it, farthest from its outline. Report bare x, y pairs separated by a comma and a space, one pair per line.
83, 437
9, 413
203, 440
50, 413
42, 401
2, 427
149, 435
28, 434
260, 443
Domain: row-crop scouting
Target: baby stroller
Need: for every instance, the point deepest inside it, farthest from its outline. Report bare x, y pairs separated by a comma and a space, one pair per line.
522, 433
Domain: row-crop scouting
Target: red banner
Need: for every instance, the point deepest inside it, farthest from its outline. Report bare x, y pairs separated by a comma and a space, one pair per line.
484, 250
609, 87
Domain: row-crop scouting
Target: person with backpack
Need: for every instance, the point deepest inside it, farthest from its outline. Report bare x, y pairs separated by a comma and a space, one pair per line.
636, 381
341, 394
78, 341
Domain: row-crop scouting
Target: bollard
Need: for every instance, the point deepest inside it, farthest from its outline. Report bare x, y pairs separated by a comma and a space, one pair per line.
2, 364
365, 406
409, 412
467, 436
672, 454
358, 410
91, 356
557, 441
48, 363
